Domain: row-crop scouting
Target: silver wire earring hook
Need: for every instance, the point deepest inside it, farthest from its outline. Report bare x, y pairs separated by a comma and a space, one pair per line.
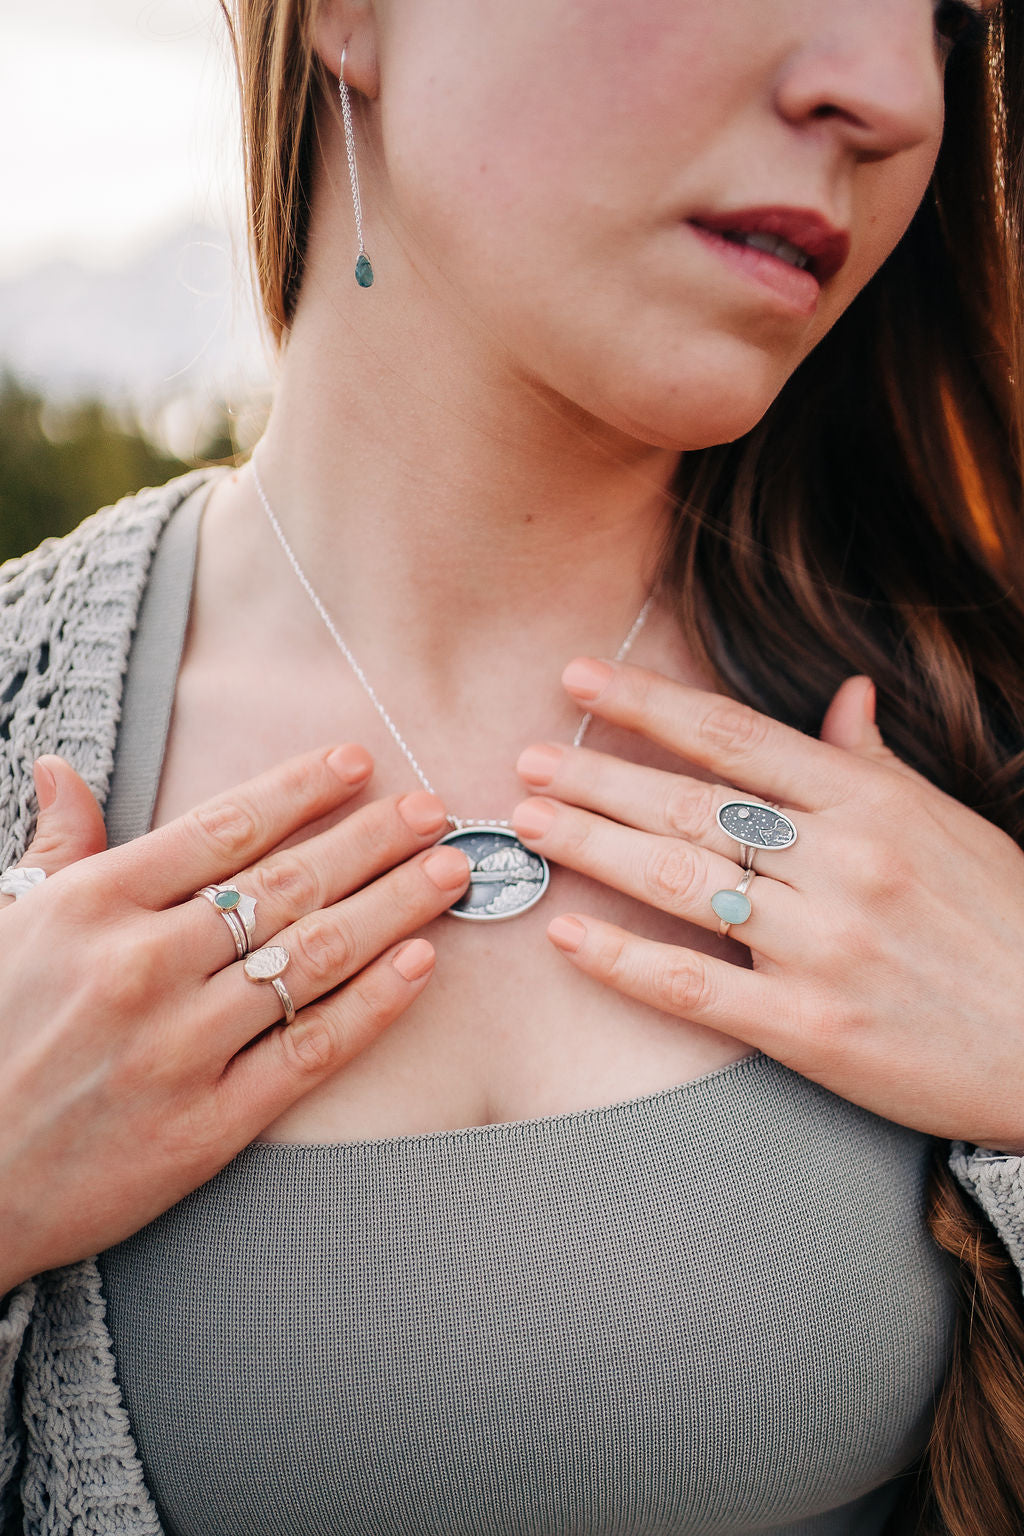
364, 269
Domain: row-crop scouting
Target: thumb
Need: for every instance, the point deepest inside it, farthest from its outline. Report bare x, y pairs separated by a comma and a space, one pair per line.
70, 824
850, 721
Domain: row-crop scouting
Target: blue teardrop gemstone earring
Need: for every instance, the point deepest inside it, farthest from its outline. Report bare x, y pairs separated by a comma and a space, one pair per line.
364, 269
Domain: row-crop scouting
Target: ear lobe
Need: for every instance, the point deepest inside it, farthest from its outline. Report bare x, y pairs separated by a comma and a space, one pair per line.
350, 25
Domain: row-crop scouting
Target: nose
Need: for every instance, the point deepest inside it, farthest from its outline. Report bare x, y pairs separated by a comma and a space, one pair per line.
869, 69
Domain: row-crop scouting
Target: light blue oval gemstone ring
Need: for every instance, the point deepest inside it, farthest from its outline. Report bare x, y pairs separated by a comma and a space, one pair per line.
733, 906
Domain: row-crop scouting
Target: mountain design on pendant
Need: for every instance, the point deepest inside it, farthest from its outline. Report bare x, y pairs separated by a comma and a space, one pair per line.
505, 877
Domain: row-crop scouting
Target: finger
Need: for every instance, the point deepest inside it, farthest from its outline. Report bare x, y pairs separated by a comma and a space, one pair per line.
309, 876
652, 800
738, 744
684, 983
326, 949
849, 722
69, 825
259, 1084
665, 872
210, 843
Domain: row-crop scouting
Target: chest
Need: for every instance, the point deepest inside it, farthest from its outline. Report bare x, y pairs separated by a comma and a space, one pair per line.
506, 1029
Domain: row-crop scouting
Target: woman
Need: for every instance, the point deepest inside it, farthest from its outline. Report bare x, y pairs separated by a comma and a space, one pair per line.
700, 314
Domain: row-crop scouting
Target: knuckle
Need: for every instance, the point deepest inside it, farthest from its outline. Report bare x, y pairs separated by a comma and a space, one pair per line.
123, 978
410, 902
836, 1022
288, 882
733, 726
671, 875
688, 812
574, 833
880, 873
79, 895
308, 1045
229, 827
322, 947
617, 959
852, 945
687, 985
893, 878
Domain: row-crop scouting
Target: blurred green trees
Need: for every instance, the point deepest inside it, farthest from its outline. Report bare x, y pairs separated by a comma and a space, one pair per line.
59, 464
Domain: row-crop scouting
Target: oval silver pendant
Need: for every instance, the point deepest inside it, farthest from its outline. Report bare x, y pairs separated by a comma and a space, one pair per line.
759, 826
506, 878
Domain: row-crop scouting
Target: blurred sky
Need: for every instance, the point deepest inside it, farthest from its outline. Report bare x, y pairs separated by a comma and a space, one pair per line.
117, 125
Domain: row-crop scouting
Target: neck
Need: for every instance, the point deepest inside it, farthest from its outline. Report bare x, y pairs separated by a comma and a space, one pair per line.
451, 509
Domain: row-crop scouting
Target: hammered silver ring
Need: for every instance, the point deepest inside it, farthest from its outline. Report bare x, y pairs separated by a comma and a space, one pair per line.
266, 964
19, 879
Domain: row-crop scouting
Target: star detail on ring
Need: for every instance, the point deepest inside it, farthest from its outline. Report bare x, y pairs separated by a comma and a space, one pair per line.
759, 826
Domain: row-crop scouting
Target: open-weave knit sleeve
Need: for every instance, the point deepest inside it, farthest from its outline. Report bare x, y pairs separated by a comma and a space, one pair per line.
68, 1464
67, 615
996, 1182
17, 1311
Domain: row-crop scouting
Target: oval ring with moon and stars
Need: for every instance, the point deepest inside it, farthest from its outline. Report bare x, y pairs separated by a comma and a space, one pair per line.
755, 824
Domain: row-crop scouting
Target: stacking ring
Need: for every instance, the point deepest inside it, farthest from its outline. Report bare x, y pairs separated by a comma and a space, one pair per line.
756, 825
734, 906
266, 964
237, 910
18, 880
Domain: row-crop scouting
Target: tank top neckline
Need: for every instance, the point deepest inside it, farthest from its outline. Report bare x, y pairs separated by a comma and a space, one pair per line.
567, 1119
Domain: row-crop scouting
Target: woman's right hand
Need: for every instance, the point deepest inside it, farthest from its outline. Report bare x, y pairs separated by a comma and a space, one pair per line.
138, 1057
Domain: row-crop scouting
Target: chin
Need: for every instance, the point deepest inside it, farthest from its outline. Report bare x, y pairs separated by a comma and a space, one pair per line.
699, 412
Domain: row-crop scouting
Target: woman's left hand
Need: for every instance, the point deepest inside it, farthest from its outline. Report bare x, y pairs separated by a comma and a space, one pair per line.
887, 941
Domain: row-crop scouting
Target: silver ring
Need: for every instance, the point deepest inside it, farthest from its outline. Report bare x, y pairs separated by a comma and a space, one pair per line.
266, 964
237, 910
756, 824
727, 908
18, 879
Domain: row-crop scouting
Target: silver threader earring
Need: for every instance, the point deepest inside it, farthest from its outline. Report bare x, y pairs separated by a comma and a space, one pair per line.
364, 271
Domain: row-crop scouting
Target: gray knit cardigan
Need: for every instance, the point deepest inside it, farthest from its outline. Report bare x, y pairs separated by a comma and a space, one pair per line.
68, 1463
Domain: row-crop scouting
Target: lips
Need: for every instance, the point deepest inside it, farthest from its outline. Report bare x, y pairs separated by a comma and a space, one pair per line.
825, 246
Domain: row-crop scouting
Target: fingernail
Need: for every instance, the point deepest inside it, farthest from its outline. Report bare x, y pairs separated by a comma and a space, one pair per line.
414, 959
538, 765
586, 678
567, 933
46, 785
532, 818
422, 811
351, 763
447, 868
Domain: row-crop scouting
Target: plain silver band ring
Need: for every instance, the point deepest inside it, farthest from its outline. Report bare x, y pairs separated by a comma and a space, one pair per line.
285, 997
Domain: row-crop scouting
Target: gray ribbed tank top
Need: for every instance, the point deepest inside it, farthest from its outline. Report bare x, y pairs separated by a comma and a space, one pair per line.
713, 1309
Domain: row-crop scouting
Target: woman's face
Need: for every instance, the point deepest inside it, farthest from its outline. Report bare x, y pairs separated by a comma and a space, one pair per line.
558, 163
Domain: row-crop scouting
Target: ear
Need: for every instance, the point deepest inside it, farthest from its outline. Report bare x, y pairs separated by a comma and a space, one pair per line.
350, 25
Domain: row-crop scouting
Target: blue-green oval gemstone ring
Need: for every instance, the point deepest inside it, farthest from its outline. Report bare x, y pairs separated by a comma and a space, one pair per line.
731, 906
227, 900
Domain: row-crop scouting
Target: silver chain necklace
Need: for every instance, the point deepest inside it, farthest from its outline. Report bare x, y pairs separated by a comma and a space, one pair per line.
506, 877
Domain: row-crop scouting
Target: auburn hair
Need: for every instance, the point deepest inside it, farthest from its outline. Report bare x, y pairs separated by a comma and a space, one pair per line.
872, 522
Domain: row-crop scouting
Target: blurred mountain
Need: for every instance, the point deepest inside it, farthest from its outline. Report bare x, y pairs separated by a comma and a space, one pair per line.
164, 336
